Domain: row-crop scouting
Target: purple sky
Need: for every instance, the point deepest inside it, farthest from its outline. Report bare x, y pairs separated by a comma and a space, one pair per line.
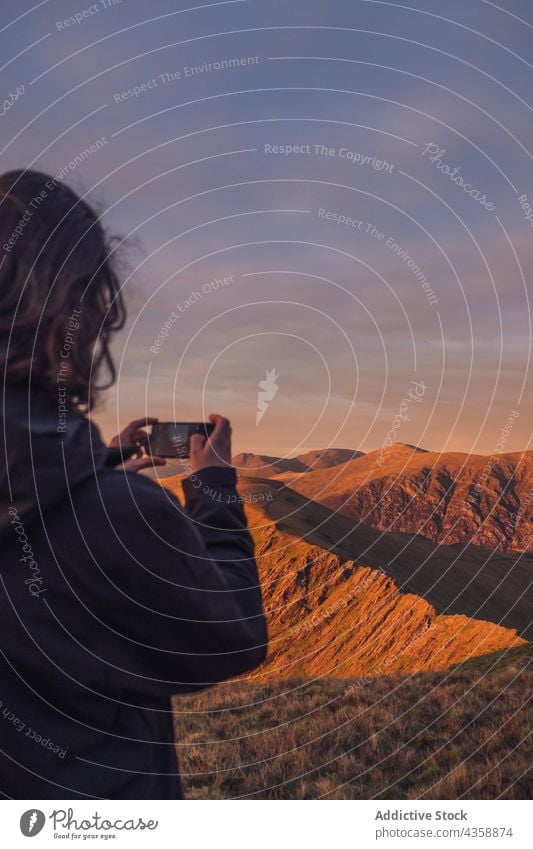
387, 109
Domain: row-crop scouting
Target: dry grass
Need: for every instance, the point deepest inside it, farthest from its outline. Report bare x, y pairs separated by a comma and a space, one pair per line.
460, 733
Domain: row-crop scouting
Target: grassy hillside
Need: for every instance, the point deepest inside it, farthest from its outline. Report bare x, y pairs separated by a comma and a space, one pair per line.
460, 733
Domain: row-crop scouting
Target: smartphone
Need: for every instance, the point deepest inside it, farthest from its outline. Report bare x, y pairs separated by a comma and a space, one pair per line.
172, 439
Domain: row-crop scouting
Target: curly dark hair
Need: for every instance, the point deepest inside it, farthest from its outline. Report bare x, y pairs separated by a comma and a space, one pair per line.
60, 296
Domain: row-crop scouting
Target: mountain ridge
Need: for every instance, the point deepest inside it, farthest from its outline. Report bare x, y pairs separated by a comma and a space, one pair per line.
344, 600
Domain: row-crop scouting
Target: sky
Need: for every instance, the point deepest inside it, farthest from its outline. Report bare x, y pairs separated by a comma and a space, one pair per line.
326, 198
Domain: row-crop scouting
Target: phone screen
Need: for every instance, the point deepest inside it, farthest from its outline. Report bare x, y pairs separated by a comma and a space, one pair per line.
171, 439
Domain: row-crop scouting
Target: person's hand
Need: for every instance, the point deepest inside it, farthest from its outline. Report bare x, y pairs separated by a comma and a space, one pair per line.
135, 464
133, 434
213, 451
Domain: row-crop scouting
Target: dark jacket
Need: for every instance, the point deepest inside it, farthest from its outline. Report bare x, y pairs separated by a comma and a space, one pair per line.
112, 598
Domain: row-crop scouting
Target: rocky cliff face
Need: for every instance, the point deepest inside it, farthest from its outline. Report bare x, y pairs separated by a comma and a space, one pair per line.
448, 498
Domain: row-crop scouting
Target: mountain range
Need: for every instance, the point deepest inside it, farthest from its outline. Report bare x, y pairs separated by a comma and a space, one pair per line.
446, 497
345, 599
264, 466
